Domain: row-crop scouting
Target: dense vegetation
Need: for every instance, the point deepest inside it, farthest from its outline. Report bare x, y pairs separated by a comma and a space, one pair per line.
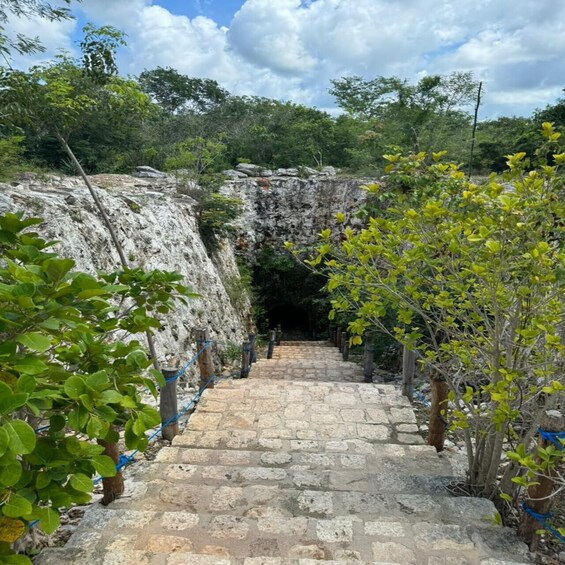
470, 276
170, 121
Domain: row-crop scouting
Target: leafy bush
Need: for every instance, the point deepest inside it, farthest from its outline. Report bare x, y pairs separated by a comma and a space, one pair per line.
473, 275
59, 365
216, 211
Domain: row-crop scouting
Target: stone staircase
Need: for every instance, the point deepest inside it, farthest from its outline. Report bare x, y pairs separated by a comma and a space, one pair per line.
301, 464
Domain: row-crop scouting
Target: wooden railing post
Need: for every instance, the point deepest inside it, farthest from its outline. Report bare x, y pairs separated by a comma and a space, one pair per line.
205, 363
271, 347
113, 487
538, 496
279, 334
408, 369
438, 423
345, 347
245, 356
168, 406
252, 355
369, 358
338, 339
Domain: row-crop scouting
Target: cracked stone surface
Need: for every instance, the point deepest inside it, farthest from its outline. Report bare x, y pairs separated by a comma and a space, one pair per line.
300, 464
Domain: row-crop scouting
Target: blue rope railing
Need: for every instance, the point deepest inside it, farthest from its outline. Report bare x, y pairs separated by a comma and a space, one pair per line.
190, 362
126, 459
543, 519
553, 437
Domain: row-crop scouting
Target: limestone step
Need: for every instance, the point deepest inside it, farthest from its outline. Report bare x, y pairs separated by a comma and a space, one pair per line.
161, 495
293, 466
400, 459
270, 534
72, 555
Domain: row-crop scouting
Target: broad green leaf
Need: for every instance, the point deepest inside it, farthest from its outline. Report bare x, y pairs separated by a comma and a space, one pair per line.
57, 422
21, 437
49, 519
56, 269
110, 397
35, 341
30, 366
16, 506
27, 383
74, 386
81, 482
104, 465
10, 473
10, 403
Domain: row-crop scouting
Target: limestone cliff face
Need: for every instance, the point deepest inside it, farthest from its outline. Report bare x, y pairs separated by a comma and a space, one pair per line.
158, 231
279, 209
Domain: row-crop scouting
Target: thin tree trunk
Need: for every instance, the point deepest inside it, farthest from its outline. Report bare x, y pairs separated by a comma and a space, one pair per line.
113, 486
436, 433
106, 219
474, 131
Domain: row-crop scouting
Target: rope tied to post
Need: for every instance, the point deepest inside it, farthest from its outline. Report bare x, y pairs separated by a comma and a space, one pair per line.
190, 362
543, 519
126, 459
553, 437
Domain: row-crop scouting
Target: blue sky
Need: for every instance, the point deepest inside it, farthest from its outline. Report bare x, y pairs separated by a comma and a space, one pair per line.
291, 49
222, 11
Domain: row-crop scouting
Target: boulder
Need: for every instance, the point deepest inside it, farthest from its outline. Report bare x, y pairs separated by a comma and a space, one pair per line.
286, 172
253, 170
233, 174
144, 172
329, 171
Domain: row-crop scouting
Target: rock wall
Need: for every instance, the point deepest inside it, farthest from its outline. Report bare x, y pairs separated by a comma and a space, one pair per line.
278, 209
158, 230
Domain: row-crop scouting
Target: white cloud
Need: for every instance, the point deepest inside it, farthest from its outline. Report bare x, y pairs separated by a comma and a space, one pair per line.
290, 49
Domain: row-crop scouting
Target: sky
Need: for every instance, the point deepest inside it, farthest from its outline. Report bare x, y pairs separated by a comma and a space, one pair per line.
290, 49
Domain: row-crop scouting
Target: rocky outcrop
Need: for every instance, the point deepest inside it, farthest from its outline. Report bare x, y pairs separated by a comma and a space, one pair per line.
278, 209
158, 231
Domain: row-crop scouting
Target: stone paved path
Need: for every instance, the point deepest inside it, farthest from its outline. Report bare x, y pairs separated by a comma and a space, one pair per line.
301, 464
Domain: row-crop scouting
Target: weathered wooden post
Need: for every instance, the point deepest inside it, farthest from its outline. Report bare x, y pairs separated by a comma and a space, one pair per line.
438, 423
252, 355
369, 358
205, 363
345, 347
168, 406
279, 334
271, 347
538, 496
245, 357
113, 487
338, 339
408, 370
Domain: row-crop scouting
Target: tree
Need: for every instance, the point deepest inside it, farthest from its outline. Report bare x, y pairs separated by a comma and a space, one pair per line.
61, 364
196, 159
420, 117
177, 93
26, 9
473, 274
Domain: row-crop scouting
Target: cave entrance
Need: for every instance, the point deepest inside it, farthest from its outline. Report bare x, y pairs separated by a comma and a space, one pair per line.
289, 294
294, 320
